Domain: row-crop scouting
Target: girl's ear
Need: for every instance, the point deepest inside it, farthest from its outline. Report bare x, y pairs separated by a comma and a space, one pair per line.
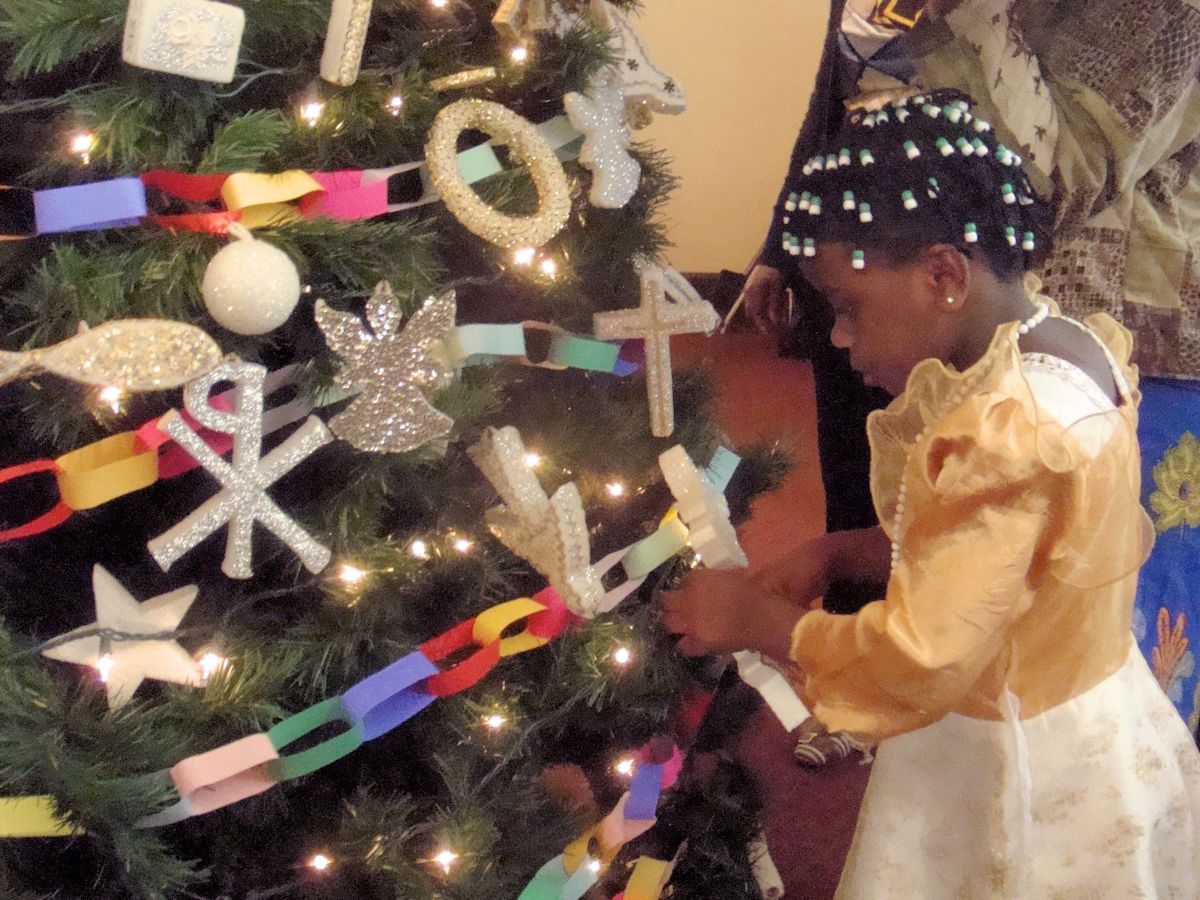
946, 275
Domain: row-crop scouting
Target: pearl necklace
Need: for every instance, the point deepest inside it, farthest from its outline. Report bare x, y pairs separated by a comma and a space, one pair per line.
960, 393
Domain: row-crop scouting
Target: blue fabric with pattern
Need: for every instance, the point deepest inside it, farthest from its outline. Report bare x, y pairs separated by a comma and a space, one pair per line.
1169, 586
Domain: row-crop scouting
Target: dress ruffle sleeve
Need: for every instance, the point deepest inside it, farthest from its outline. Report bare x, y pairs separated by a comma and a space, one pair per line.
979, 518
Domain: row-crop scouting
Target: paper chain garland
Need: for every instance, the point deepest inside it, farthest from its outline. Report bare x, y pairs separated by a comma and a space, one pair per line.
129, 461
374, 706
388, 698
254, 199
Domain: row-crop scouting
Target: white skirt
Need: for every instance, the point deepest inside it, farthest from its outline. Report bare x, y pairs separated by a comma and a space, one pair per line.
1098, 797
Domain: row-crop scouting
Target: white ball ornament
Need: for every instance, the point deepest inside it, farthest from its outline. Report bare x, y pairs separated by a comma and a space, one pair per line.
250, 286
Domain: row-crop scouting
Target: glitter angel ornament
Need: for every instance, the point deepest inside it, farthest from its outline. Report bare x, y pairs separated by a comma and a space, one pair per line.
550, 532
391, 368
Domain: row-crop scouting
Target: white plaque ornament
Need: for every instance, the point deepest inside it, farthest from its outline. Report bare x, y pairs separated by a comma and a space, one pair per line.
195, 38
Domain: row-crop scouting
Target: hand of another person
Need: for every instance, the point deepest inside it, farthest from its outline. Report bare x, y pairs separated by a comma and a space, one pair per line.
719, 611
766, 299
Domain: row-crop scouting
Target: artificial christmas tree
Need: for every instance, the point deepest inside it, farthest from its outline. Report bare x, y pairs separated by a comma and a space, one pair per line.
400, 686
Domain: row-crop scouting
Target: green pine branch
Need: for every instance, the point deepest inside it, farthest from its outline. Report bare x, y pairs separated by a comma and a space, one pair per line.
44, 34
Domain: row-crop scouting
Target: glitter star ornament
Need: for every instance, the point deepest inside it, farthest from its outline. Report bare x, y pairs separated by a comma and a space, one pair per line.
195, 38
549, 532
131, 354
669, 305
599, 114
391, 368
243, 499
132, 661
703, 510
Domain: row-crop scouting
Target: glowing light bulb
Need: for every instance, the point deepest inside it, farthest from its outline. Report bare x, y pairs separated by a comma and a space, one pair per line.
320, 862
624, 766
622, 656
615, 489
81, 146
111, 397
495, 721
532, 460
419, 549
445, 859
524, 256
104, 665
462, 545
349, 574
437, 4
311, 112
210, 663
395, 104
549, 268
520, 53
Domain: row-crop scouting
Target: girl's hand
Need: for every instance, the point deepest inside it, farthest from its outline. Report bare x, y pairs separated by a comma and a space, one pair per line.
800, 576
719, 611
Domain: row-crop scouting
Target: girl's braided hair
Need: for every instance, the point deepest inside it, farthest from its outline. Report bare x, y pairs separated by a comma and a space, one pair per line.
920, 171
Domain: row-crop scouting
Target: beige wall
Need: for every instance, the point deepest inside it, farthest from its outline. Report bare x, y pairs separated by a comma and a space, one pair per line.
746, 68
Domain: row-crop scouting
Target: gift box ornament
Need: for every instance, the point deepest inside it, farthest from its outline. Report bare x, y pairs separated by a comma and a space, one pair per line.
195, 38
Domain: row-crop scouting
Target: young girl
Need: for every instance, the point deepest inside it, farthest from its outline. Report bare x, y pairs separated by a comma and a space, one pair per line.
1026, 750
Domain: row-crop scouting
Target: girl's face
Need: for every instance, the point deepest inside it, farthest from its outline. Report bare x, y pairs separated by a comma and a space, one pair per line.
886, 315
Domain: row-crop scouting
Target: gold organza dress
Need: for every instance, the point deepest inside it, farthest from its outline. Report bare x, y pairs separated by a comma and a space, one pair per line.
1026, 749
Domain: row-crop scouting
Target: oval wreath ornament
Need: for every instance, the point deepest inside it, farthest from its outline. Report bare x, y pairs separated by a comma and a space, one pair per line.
534, 152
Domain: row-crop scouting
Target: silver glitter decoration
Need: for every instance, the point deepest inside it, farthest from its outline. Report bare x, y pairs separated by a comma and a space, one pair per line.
549, 532
344, 39
669, 305
132, 354
391, 368
243, 500
645, 84
599, 114
703, 510
534, 152
195, 38
516, 19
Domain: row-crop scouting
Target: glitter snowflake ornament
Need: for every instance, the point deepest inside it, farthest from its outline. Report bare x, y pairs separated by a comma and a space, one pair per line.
599, 114
549, 532
129, 662
391, 368
243, 499
195, 38
669, 305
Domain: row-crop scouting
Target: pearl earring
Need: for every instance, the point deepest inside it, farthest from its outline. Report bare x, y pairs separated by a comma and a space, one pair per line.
949, 301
